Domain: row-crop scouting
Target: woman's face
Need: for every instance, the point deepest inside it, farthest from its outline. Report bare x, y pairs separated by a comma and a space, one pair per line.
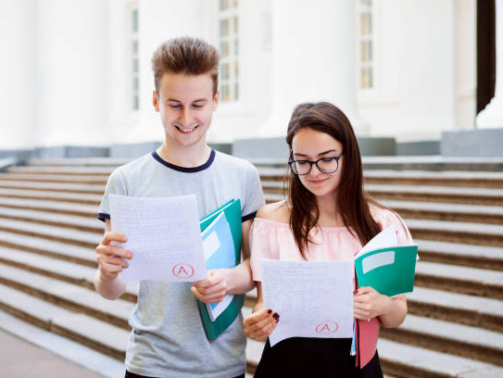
308, 144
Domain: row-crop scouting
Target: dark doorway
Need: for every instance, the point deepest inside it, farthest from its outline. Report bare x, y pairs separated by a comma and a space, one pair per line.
486, 52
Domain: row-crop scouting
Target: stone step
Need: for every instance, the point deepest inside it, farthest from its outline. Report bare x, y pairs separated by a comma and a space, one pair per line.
448, 337
457, 232
72, 297
86, 224
65, 271
475, 256
448, 212
79, 162
443, 194
464, 309
55, 250
96, 334
90, 199
442, 178
72, 237
53, 187
82, 210
459, 279
419, 193
82, 179
70, 171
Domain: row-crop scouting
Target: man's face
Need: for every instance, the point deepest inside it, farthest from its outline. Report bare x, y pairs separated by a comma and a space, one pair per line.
186, 104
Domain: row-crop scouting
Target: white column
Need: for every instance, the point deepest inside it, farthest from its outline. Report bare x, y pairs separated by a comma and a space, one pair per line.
492, 115
18, 93
73, 53
314, 59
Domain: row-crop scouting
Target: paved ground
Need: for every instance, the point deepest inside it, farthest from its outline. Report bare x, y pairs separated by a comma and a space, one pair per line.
20, 359
27, 351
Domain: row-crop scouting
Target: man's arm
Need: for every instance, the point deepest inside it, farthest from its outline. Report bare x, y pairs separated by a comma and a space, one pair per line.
237, 280
108, 282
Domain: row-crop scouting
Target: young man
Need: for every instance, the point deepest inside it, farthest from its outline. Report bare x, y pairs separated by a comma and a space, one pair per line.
168, 339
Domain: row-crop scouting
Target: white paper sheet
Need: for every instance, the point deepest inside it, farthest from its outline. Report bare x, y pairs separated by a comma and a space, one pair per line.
164, 236
385, 238
313, 299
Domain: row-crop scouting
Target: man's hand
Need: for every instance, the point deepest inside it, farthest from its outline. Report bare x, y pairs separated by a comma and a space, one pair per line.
213, 288
261, 323
112, 259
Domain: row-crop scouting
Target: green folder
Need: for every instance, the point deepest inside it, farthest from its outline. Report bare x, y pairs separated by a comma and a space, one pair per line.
390, 270
213, 329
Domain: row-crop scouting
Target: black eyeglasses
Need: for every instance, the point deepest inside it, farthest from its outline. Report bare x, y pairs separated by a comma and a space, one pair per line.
324, 165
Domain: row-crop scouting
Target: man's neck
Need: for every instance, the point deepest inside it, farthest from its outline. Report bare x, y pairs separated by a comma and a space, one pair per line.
187, 157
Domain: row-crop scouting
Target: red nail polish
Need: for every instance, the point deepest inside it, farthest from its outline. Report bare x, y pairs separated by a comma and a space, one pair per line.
275, 316
269, 312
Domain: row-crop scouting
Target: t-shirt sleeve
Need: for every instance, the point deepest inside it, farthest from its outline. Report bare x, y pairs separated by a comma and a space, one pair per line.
389, 218
254, 195
116, 185
263, 245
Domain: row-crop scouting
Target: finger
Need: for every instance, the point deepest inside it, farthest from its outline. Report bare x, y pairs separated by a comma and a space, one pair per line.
113, 250
258, 316
265, 330
111, 236
270, 319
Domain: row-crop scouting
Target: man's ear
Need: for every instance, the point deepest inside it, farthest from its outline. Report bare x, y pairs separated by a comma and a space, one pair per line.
155, 100
216, 99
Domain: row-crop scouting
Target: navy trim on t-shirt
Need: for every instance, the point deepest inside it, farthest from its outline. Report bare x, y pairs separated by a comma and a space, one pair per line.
185, 169
103, 216
249, 216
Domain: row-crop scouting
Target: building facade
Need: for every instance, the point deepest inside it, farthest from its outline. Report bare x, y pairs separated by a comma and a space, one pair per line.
77, 72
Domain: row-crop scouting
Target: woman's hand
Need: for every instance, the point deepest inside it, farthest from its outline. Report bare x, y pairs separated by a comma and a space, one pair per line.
368, 303
260, 324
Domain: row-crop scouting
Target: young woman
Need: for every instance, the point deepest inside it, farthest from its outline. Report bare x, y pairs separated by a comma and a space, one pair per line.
327, 216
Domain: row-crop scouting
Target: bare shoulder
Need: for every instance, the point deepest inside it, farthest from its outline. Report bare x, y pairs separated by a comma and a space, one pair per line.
277, 211
376, 210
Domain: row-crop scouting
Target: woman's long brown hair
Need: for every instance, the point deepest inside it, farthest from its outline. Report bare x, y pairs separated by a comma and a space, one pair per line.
351, 203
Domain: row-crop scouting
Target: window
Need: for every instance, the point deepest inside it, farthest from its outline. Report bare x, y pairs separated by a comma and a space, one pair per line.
366, 44
134, 74
228, 36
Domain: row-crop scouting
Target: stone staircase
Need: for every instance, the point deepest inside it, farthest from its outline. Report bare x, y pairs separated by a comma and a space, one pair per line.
48, 231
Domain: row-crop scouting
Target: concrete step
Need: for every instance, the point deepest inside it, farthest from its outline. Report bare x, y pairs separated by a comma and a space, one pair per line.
86, 224
79, 162
448, 212
417, 193
96, 334
475, 256
56, 250
442, 178
407, 361
82, 179
65, 271
448, 337
69, 296
63, 235
443, 194
458, 279
81, 210
70, 171
464, 309
53, 187
90, 199
457, 232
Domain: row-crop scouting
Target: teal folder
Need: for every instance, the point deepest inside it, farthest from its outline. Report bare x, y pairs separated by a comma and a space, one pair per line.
228, 255
390, 270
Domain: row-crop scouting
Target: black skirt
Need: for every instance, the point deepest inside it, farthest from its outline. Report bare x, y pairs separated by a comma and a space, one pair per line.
311, 357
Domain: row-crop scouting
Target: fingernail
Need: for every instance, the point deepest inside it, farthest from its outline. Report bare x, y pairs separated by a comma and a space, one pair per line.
269, 312
275, 316
277, 320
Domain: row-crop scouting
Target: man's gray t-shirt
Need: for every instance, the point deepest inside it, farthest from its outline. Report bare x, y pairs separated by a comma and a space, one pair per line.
167, 338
